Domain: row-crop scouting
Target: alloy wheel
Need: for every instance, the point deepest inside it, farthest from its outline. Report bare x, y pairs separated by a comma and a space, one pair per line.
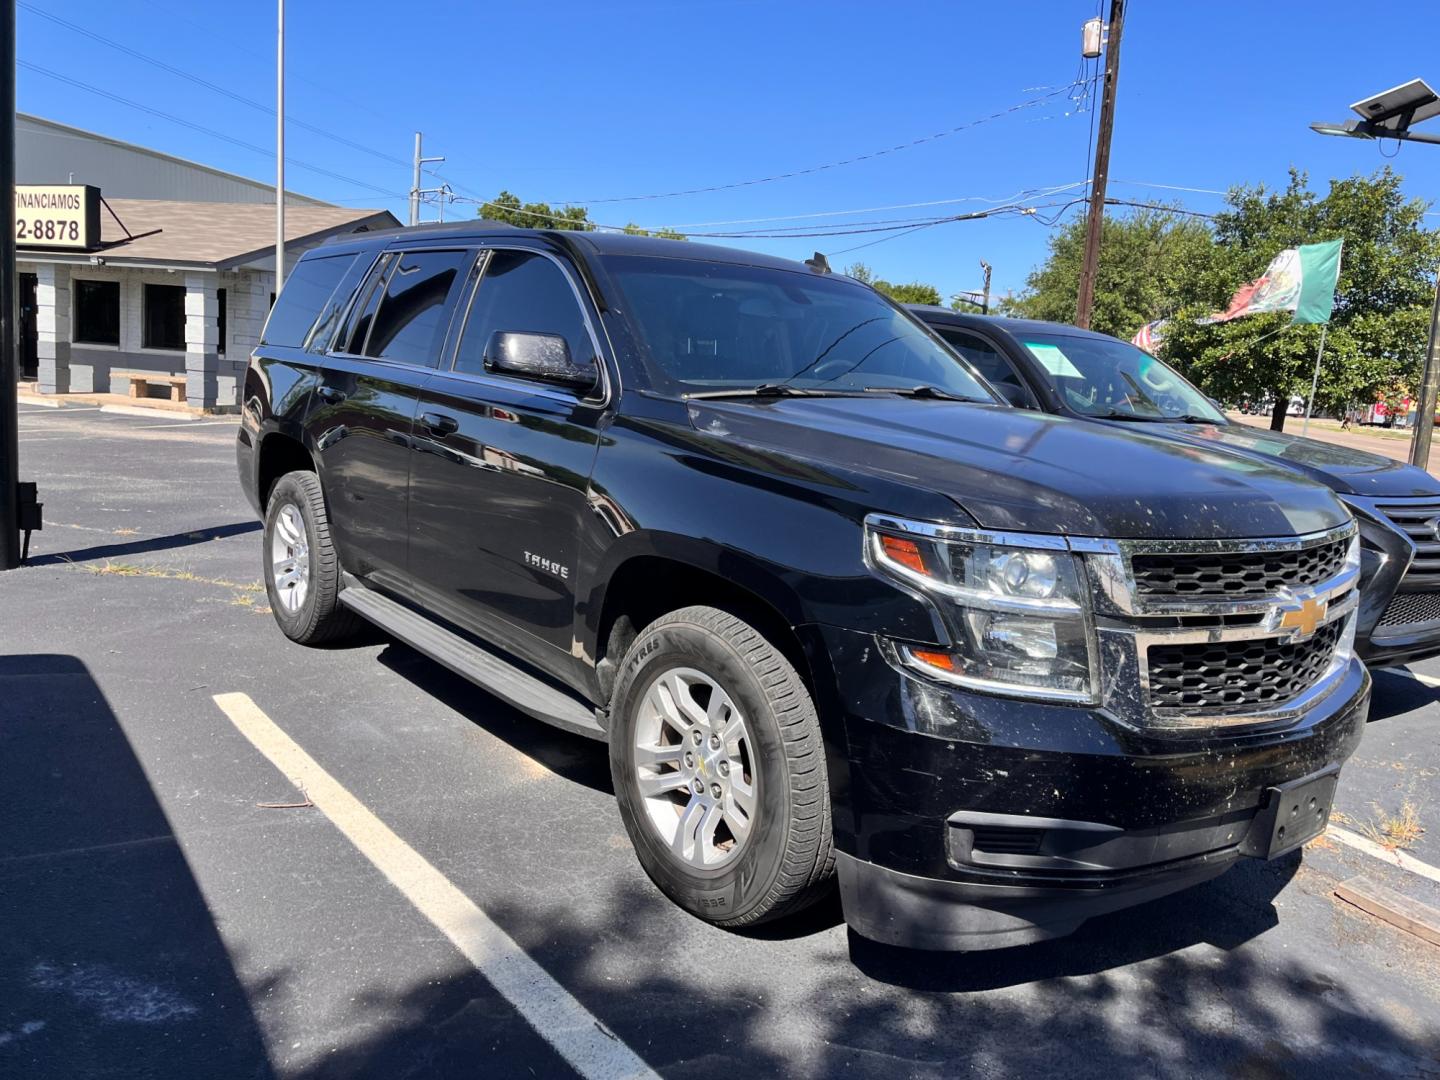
695, 768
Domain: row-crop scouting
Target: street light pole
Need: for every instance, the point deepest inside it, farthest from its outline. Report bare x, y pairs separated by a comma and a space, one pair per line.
279, 146
9, 309
1429, 385
1388, 115
1085, 303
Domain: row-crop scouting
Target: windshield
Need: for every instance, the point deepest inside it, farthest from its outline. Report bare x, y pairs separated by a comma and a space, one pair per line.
714, 327
1107, 377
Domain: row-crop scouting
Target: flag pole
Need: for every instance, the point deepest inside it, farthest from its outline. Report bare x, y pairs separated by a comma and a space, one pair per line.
1315, 380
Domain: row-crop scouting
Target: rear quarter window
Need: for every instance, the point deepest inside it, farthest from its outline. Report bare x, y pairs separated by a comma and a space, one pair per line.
303, 299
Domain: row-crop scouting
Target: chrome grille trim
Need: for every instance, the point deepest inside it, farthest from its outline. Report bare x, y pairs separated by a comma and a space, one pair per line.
1412, 517
1131, 623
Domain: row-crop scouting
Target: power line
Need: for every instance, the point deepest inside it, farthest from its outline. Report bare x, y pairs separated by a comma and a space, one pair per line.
270, 153
878, 209
1018, 107
259, 106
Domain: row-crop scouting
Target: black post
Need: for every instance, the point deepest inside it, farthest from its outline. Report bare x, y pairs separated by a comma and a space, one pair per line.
9, 305
1085, 302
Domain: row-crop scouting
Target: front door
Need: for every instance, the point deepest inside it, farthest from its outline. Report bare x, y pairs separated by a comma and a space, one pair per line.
360, 424
498, 487
29, 336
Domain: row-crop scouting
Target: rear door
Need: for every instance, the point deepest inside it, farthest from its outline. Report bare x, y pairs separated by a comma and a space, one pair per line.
369, 386
498, 487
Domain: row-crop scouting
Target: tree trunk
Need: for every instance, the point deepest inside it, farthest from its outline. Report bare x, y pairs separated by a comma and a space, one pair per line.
1279, 411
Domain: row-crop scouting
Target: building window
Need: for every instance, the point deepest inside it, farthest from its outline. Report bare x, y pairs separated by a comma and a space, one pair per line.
163, 317
220, 319
97, 313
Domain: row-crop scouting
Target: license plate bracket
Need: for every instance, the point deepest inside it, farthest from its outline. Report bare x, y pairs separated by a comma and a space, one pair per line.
1293, 814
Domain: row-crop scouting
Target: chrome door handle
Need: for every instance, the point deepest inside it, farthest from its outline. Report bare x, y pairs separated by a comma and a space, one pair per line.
439, 423
330, 395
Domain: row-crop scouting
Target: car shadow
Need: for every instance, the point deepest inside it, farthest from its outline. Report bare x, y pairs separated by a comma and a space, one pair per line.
1396, 691
141, 547
110, 962
817, 1011
573, 757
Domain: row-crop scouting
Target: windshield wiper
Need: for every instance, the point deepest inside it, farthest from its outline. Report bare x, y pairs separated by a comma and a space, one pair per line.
1182, 418
1134, 418
769, 390
923, 392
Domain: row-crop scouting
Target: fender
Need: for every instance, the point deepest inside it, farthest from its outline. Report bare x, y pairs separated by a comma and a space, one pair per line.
787, 530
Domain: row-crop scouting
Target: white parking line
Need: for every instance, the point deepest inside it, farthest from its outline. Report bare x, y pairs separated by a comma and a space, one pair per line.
1384, 854
575, 1033
1428, 680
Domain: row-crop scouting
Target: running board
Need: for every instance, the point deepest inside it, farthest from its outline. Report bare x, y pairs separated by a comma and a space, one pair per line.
480, 666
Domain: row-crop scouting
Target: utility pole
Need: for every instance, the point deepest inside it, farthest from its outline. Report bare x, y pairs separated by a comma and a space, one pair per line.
280, 147
9, 309
416, 191
985, 295
1096, 219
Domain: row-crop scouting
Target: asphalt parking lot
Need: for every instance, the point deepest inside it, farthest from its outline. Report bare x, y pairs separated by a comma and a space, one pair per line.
173, 907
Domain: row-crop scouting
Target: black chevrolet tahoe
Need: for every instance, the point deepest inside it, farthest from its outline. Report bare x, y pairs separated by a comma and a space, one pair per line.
1072, 372
835, 608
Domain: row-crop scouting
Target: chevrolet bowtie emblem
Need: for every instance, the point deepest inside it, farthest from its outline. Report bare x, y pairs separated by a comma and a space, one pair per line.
1306, 618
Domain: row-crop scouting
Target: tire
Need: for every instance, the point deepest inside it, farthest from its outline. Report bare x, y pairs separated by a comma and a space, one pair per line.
305, 599
763, 848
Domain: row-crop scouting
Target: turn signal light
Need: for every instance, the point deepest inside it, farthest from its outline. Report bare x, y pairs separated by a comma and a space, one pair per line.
943, 661
904, 552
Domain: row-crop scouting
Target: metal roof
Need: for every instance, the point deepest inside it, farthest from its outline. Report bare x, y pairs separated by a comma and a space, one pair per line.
47, 152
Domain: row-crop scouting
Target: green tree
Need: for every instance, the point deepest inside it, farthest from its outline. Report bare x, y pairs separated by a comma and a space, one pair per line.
1376, 337
1148, 260
508, 208
914, 292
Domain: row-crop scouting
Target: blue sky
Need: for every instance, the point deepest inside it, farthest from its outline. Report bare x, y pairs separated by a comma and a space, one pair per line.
584, 101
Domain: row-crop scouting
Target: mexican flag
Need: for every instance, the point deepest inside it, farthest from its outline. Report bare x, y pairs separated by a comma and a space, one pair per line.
1300, 279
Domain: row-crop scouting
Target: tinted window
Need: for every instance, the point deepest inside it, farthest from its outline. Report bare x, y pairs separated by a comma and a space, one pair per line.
714, 326
97, 312
364, 313
410, 325
220, 320
522, 292
163, 317
986, 360
306, 290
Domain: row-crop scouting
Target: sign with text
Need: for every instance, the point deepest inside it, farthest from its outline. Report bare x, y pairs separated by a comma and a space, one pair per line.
57, 216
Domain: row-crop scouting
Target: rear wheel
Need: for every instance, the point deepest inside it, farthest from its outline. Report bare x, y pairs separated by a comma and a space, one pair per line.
716, 755
302, 568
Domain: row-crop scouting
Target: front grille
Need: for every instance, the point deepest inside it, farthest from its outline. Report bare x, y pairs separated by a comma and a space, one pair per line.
1232, 677
1235, 575
1413, 519
1410, 609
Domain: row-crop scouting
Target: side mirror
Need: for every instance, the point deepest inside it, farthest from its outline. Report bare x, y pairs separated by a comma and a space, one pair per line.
542, 357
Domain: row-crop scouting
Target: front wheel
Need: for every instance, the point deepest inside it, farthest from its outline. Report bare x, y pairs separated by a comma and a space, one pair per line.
716, 756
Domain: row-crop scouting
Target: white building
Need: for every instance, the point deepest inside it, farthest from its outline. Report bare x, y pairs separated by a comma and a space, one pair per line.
157, 282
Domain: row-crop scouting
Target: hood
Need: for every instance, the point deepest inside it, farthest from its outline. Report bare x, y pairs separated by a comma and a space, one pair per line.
1350, 472
1023, 471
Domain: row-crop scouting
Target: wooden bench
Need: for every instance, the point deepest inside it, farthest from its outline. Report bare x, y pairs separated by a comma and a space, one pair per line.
140, 383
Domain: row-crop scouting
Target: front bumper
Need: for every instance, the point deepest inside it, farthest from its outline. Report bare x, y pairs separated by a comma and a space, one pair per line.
969, 822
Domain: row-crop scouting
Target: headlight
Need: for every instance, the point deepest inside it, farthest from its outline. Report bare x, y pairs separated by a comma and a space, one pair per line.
1016, 607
